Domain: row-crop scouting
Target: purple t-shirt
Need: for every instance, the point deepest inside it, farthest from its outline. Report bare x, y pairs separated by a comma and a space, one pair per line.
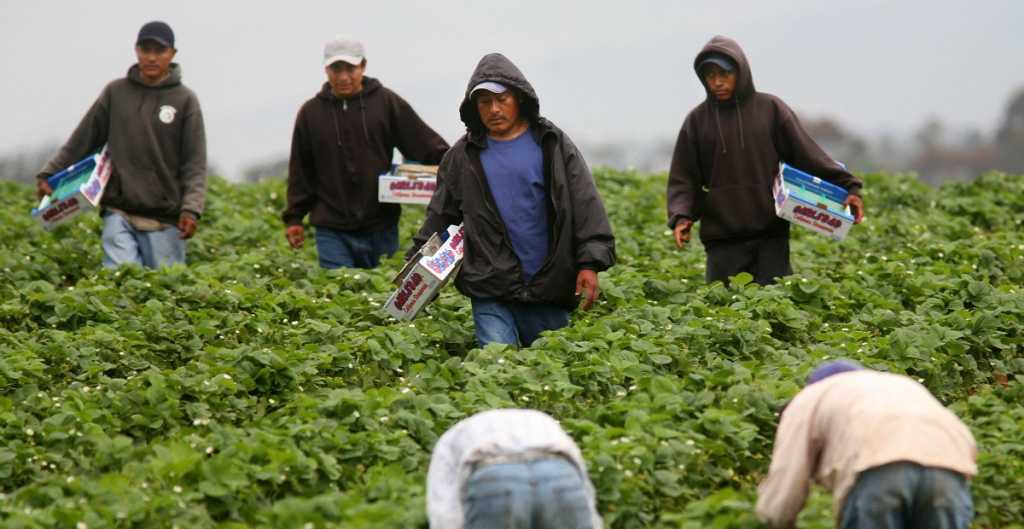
515, 173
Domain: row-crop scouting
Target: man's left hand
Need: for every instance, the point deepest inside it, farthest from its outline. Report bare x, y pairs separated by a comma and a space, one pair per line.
857, 205
187, 226
586, 282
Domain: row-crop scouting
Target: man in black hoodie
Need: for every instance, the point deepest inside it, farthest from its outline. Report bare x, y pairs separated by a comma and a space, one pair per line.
536, 229
725, 159
344, 139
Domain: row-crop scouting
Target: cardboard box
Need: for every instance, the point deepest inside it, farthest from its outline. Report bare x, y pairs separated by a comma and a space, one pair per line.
76, 189
408, 184
811, 202
426, 274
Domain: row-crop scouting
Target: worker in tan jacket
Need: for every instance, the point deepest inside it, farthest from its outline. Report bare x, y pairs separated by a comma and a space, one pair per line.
892, 455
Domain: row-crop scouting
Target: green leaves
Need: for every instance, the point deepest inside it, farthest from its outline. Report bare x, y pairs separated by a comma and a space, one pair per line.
253, 389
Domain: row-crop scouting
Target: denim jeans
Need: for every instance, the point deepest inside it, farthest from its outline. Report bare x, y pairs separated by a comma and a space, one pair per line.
350, 249
516, 324
542, 494
123, 244
906, 495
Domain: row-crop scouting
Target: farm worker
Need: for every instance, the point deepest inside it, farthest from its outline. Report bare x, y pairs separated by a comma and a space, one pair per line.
509, 468
536, 230
726, 156
892, 455
153, 128
344, 138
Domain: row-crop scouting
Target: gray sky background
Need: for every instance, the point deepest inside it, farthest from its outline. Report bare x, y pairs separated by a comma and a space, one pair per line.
604, 70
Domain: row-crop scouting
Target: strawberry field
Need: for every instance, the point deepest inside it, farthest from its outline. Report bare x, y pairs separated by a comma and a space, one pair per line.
252, 389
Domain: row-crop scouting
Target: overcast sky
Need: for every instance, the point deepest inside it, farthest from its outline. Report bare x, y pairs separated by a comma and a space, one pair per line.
604, 70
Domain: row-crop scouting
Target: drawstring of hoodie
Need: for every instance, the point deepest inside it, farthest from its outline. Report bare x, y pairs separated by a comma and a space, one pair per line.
721, 137
362, 112
743, 145
337, 129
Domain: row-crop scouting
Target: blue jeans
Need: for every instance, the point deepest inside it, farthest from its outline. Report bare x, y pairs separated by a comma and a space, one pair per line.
123, 244
350, 249
516, 324
542, 494
906, 495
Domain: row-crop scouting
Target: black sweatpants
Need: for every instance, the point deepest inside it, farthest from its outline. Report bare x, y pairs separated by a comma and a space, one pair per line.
764, 258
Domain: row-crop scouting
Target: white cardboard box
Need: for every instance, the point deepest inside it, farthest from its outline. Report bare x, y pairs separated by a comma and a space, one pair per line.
406, 190
76, 189
811, 202
408, 184
425, 274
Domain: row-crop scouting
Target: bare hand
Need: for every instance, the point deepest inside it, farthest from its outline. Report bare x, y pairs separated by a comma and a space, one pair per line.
586, 282
43, 188
682, 232
296, 235
187, 226
857, 205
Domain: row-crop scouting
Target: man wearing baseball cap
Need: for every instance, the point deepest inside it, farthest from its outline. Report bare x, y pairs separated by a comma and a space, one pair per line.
536, 229
725, 160
892, 455
153, 128
344, 138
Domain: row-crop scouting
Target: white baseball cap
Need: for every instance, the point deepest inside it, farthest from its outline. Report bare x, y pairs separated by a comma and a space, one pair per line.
490, 86
342, 48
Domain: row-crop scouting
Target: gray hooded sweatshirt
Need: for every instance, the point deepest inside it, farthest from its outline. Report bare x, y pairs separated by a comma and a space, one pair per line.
157, 144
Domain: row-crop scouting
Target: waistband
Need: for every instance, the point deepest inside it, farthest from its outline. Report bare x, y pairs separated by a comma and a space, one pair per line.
525, 456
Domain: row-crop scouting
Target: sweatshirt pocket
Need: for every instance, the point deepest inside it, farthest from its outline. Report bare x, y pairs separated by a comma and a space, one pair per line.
143, 191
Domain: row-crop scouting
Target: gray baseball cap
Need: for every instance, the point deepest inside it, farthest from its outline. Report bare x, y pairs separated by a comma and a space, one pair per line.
490, 86
343, 48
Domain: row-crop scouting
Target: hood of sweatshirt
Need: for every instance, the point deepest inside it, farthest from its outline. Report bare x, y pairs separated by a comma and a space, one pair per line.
497, 68
173, 76
370, 85
730, 48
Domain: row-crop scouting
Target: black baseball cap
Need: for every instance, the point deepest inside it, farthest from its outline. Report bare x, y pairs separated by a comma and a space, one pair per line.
158, 31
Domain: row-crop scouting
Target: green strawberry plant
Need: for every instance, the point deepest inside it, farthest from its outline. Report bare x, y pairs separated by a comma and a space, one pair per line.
253, 389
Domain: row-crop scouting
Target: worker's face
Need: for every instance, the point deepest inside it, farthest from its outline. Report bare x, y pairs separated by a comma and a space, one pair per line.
499, 112
346, 79
720, 82
154, 60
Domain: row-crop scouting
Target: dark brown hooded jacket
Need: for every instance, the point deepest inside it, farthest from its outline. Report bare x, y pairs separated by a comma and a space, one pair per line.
580, 236
341, 146
728, 152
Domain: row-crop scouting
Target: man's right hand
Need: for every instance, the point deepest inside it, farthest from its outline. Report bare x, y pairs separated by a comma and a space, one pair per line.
682, 232
295, 235
43, 188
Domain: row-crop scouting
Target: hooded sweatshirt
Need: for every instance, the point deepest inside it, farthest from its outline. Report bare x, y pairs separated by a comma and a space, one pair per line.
157, 144
728, 153
339, 148
579, 237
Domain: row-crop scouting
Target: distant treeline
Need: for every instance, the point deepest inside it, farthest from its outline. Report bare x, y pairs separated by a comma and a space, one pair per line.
935, 152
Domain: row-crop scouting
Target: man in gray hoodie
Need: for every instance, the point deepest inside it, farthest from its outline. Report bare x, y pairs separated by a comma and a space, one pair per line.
153, 127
